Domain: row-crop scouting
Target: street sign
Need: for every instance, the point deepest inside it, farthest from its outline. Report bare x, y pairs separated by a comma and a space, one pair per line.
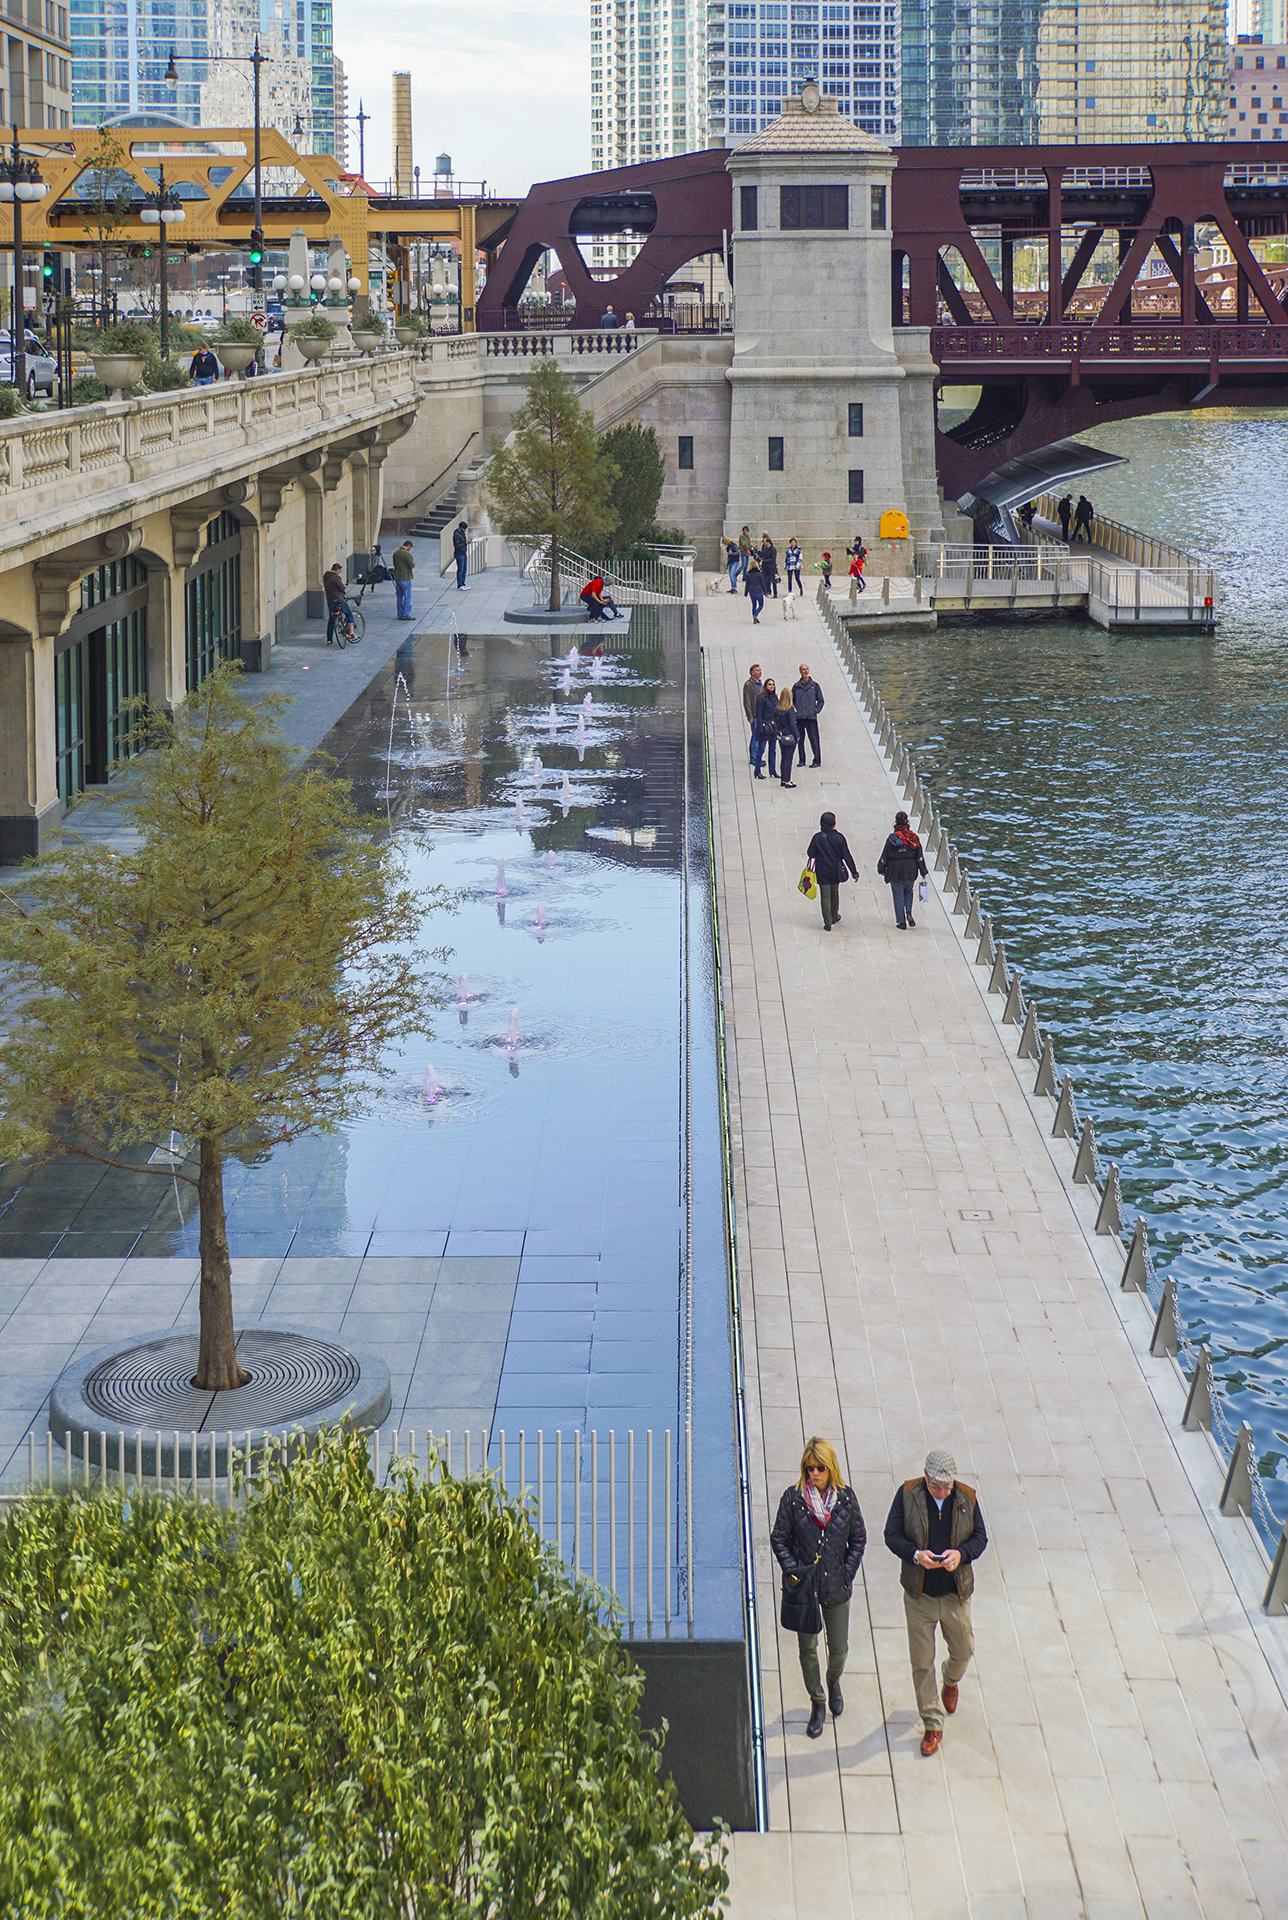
259, 320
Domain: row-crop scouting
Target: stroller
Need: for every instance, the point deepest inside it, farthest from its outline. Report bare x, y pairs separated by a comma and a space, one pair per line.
375, 572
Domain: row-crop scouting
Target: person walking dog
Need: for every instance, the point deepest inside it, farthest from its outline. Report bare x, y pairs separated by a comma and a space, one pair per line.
807, 698
901, 861
935, 1528
831, 856
818, 1540
404, 568
792, 561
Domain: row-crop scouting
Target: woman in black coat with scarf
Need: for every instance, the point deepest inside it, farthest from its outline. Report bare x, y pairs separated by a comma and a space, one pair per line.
901, 861
819, 1528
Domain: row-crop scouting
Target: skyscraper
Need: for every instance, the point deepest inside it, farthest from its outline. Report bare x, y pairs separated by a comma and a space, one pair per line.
647, 80
341, 102
121, 49
761, 50
1008, 72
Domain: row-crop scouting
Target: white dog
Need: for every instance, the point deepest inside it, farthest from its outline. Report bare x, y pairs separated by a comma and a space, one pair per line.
789, 603
714, 585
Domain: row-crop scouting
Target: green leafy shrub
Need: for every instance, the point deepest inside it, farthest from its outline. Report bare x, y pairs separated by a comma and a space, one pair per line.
316, 327
129, 336
238, 330
370, 322
341, 1701
410, 323
10, 403
86, 389
164, 376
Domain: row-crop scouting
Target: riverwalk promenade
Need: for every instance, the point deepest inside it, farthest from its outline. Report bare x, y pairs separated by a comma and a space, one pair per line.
915, 1272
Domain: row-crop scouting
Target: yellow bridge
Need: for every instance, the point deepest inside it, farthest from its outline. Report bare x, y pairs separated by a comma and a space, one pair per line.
212, 169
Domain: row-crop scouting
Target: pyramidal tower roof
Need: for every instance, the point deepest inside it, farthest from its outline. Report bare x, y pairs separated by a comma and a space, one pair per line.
810, 122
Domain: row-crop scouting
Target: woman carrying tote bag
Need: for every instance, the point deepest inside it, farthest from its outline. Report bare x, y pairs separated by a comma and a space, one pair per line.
818, 1541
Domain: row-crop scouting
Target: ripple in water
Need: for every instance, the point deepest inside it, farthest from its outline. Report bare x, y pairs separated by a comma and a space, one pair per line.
1118, 798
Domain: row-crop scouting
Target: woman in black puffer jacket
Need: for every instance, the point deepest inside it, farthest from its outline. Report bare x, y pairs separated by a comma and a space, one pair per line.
819, 1525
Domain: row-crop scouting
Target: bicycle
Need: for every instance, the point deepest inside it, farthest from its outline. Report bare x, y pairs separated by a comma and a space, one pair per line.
349, 626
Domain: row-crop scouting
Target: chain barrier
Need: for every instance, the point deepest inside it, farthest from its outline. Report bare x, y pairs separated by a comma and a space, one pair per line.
1190, 1355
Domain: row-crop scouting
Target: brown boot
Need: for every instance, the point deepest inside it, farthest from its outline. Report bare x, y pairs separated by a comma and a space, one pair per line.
930, 1740
949, 1696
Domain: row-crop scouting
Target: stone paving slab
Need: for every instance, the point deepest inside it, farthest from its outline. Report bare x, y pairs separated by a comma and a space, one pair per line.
916, 1272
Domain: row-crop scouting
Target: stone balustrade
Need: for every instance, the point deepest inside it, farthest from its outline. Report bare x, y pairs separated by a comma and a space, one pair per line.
58, 467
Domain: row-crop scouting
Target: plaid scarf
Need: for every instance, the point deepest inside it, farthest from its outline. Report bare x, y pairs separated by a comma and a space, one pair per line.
821, 1505
909, 839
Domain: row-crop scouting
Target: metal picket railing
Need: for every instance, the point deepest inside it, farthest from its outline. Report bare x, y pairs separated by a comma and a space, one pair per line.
1244, 1488
664, 580
610, 1505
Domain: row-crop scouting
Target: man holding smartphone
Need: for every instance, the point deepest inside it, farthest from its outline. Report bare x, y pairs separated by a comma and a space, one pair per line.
935, 1528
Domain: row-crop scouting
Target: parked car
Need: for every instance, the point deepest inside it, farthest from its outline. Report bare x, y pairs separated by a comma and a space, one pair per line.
42, 368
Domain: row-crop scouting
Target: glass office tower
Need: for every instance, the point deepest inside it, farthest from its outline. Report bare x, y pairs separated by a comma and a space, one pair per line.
759, 51
1059, 72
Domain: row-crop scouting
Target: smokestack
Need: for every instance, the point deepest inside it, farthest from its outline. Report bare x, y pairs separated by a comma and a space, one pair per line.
402, 134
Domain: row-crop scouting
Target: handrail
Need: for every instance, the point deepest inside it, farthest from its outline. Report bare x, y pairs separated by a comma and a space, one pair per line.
406, 505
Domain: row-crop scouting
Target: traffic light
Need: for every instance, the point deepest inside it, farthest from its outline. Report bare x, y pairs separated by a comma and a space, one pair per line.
256, 246
48, 268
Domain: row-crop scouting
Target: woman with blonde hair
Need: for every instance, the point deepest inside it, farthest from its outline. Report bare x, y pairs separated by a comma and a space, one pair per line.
818, 1541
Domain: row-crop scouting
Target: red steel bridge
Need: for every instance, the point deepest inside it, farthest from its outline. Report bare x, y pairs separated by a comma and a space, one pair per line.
1109, 346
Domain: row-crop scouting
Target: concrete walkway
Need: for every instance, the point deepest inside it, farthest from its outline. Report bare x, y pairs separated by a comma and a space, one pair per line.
915, 1272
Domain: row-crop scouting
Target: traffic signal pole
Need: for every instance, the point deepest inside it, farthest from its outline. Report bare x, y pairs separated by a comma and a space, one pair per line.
257, 243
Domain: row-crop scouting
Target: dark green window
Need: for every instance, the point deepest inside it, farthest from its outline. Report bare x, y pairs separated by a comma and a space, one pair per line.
686, 453
212, 601
813, 207
775, 453
856, 419
747, 209
69, 721
878, 209
856, 486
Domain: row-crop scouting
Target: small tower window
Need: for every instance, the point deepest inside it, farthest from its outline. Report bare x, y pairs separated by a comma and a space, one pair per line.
878, 209
856, 486
685, 461
747, 209
775, 453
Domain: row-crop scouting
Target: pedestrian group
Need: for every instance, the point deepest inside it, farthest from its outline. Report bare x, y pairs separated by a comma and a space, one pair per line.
935, 1529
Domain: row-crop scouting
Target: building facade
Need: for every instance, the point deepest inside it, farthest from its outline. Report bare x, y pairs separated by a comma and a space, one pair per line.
340, 103
121, 49
35, 65
1256, 109
1013, 72
760, 51
647, 80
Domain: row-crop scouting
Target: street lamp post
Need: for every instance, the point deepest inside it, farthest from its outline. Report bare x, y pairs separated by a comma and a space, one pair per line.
162, 210
20, 181
257, 60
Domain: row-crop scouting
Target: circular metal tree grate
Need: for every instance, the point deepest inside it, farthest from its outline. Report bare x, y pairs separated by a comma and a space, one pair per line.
291, 1376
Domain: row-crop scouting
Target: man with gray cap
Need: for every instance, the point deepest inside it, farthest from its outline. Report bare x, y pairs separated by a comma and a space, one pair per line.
936, 1529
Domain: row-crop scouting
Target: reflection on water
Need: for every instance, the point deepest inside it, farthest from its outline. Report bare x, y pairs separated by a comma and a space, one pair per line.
547, 1096
1119, 800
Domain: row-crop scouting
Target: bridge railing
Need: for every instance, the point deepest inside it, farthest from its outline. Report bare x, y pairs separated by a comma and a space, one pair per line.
1123, 542
1145, 340
1049, 566
1141, 592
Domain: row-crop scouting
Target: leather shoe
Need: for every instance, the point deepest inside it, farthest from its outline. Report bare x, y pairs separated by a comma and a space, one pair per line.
817, 1720
836, 1700
949, 1697
930, 1740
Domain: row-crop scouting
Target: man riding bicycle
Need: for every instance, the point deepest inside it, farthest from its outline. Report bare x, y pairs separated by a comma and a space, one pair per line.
337, 604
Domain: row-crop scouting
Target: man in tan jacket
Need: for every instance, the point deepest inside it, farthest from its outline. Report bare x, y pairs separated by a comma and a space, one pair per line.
935, 1528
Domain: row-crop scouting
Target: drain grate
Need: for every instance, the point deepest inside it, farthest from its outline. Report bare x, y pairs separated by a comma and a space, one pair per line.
291, 1376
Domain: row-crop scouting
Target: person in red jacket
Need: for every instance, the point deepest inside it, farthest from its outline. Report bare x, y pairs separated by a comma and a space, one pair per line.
596, 600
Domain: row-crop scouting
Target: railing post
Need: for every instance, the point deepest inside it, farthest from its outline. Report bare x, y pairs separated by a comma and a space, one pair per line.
1045, 1082
1013, 1011
999, 979
1236, 1494
1084, 1161
1198, 1402
1136, 1268
1029, 1048
1110, 1217
973, 923
1167, 1325
1066, 1124
1276, 1600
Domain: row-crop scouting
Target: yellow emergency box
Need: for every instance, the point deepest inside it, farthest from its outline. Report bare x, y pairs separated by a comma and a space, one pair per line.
894, 525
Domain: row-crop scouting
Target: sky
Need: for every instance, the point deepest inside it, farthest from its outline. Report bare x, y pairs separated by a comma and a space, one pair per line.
501, 85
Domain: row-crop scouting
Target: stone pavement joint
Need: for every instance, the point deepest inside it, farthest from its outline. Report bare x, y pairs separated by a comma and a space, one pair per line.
1120, 1744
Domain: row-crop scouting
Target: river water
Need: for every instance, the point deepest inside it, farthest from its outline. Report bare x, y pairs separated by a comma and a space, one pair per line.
1119, 799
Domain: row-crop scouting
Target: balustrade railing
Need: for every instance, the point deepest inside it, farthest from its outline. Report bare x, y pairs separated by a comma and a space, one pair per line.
610, 1505
1161, 339
51, 450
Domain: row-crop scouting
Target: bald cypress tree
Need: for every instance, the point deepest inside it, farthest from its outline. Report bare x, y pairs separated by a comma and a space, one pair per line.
231, 984
553, 480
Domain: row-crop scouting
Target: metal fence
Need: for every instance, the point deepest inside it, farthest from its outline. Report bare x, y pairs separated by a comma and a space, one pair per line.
1243, 1492
611, 1505
1126, 543
966, 564
663, 580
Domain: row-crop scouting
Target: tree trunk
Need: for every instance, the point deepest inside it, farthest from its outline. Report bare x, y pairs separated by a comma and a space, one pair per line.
554, 575
217, 1368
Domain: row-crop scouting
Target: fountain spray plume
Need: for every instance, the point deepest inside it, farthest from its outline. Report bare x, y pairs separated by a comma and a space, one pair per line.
541, 923
566, 682
587, 704
430, 1089
573, 656
553, 717
565, 793
512, 1030
501, 888
463, 991
520, 813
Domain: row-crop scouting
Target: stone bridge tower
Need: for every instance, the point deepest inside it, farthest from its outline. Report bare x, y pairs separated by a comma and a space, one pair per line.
832, 414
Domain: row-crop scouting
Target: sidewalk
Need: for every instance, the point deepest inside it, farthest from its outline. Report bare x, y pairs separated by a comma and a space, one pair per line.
914, 1273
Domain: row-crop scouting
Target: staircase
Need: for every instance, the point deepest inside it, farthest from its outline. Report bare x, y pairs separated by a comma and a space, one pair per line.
432, 523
